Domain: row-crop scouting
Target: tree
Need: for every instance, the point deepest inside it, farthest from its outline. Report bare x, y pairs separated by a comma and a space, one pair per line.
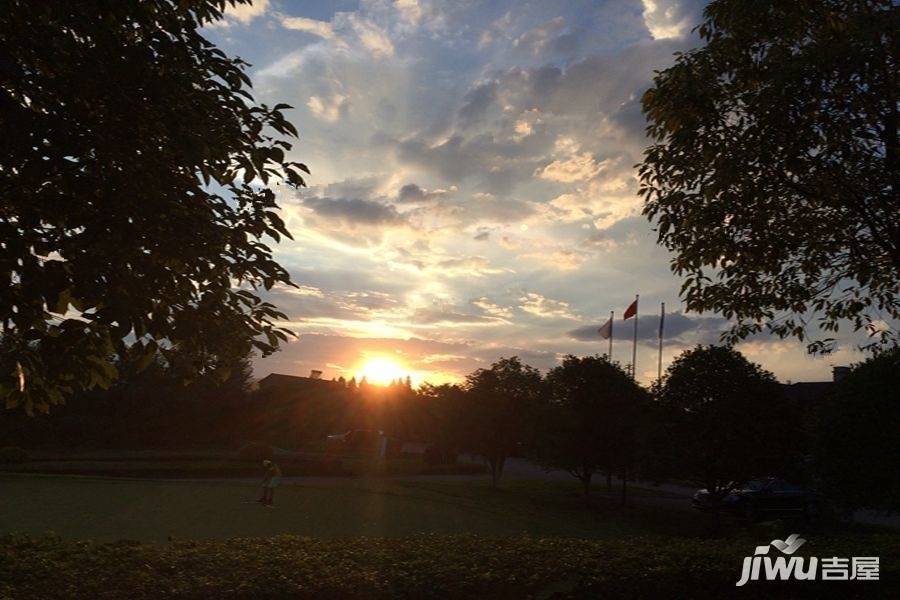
591, 420
858, 452
502, 404
728, 420
446, 422
774, 175
134, 171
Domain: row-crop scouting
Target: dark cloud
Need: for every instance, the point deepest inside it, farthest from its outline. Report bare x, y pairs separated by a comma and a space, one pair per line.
354, 211
678, 327
477, 101
413, 194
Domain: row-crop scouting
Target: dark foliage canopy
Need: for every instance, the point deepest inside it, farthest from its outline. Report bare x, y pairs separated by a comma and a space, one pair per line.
774, 175
728, 419
134, 205
858, 446
503, 402
592, 416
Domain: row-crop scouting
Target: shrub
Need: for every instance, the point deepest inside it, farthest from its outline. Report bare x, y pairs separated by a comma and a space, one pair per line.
256, 451
13, 455
432, 566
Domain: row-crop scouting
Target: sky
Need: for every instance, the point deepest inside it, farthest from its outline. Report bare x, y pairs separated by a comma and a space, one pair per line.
473, 192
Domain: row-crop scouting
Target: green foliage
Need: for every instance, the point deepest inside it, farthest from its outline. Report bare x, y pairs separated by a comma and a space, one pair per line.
134, 174
592, 420
502, 407
419, 567
728, 420
13, 455
858, 446
774, 175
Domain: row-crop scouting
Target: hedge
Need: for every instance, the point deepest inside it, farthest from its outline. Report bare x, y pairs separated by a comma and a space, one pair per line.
433, 566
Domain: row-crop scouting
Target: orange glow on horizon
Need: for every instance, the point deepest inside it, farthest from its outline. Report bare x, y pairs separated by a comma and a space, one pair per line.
381, 370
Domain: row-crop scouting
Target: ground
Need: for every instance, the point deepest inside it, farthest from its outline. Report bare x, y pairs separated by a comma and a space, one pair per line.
387, 537
144, 510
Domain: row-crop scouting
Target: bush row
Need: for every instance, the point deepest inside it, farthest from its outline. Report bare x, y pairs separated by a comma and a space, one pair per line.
422, 567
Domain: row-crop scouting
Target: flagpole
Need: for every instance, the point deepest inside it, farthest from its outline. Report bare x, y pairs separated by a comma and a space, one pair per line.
634, 347
609, 356
662, 321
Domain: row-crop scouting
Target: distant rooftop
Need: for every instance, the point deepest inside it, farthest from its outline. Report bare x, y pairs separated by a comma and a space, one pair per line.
280, 380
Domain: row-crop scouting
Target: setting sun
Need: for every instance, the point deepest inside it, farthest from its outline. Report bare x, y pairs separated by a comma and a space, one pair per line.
381, 370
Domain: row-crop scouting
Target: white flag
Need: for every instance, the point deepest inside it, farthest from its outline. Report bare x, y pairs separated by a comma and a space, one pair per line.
606, 330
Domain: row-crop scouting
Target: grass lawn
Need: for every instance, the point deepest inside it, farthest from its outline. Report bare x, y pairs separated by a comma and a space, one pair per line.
144, 510
186, 466
385, 538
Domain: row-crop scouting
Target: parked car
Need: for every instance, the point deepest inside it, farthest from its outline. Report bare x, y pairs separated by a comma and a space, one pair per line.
758, 498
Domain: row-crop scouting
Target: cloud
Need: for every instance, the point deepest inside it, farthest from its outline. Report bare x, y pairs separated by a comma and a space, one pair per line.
465, 156
538, 305
679, 328
373, 38
579, 167
321, 29
492, 309
667, 19
443, 316
354, 211
242, 13
536, 40
468, 266
413, 194
329, 108
344, 29
477, 101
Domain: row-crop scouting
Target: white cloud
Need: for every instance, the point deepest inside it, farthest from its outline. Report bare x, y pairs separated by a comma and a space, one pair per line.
242, 13
579, 167
344, 28
323, 29
667, 19
410, 10
329, 108
373, 38
541, 306
467, 150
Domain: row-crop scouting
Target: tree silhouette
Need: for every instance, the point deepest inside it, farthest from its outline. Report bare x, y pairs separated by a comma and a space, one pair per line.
728, 420
502, 407
774, 175
591, 420
135, 168
858, 452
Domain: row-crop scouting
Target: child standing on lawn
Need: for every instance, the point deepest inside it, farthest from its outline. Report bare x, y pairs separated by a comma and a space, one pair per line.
270, 482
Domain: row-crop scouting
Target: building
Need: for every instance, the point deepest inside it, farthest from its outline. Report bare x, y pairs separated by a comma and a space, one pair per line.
294, 383
807, 392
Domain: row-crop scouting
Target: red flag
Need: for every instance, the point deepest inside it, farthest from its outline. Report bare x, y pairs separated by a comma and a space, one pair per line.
630, 311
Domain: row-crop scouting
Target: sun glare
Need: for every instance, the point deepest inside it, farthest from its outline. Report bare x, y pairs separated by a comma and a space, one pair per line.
381, 370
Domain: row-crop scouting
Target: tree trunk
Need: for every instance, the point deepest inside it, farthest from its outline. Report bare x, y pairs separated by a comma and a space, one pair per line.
609, 481
586, 482
624, 486
496, 463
